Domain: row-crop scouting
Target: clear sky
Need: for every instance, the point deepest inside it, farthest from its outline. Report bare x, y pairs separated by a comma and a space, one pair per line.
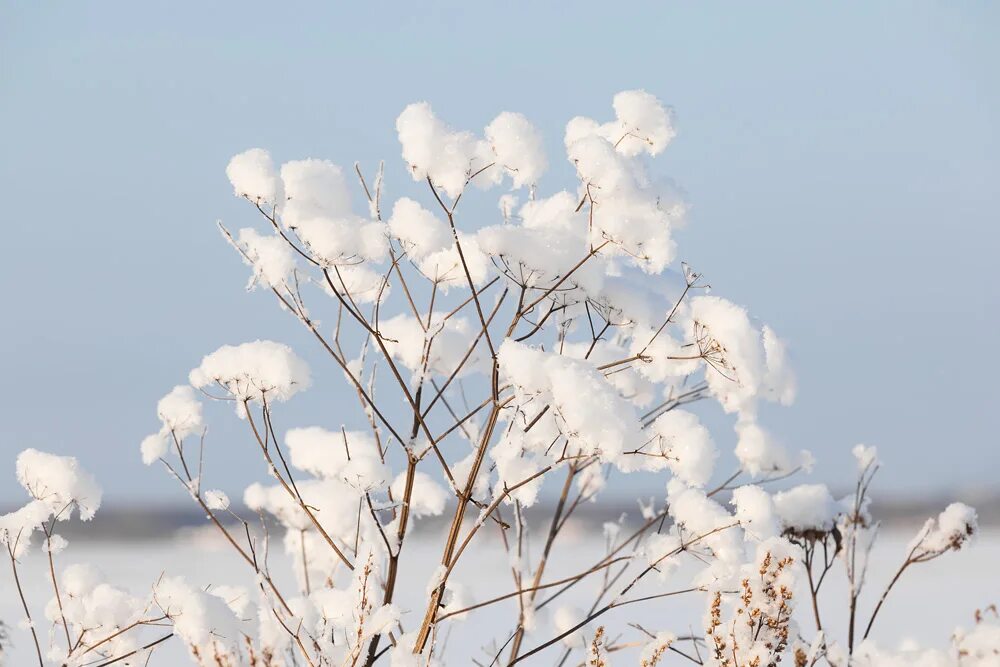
841, 161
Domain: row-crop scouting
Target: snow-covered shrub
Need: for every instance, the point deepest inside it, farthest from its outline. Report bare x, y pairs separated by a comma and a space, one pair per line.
556, 339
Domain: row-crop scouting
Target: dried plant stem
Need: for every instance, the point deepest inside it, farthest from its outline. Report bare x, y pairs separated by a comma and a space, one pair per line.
534, 589
293, 492
131, 653
878, 607
55, 589
619, 602
549, 541
24, 603
122, 631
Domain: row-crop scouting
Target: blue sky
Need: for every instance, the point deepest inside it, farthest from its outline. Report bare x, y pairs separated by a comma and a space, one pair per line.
841, 161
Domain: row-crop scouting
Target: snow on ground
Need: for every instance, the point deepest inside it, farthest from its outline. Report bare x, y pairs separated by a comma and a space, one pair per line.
930, 602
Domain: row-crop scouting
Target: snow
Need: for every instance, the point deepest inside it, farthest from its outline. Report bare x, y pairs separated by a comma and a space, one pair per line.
430, 244
450, 158
642, 125
442, 346
253, 175
645, 123
348, 456
16, 527
587, 409
806, 507
627, 211
567, 617
319, 211
756, 512
90, 602
866, 457
753, 359
630, 383
653, 652
59, 482
270, 256
952, 529
705, 519
154, 447
180, 412
517, 145
513, 466
420, 232
435, 151
315, 189
544, 242
759, 452
688, 446
429, 497
202, 620
56, 544
257, 371
980, 645
662, 551
216, 500
361, 283
401, 655
766, 587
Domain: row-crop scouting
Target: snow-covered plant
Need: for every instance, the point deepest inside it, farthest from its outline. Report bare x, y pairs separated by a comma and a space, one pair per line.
976, 647
552, 342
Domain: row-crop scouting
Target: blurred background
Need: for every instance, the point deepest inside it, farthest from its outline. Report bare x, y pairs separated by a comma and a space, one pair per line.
840, 161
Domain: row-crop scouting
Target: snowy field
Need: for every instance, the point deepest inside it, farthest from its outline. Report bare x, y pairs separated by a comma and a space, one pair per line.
928, 604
